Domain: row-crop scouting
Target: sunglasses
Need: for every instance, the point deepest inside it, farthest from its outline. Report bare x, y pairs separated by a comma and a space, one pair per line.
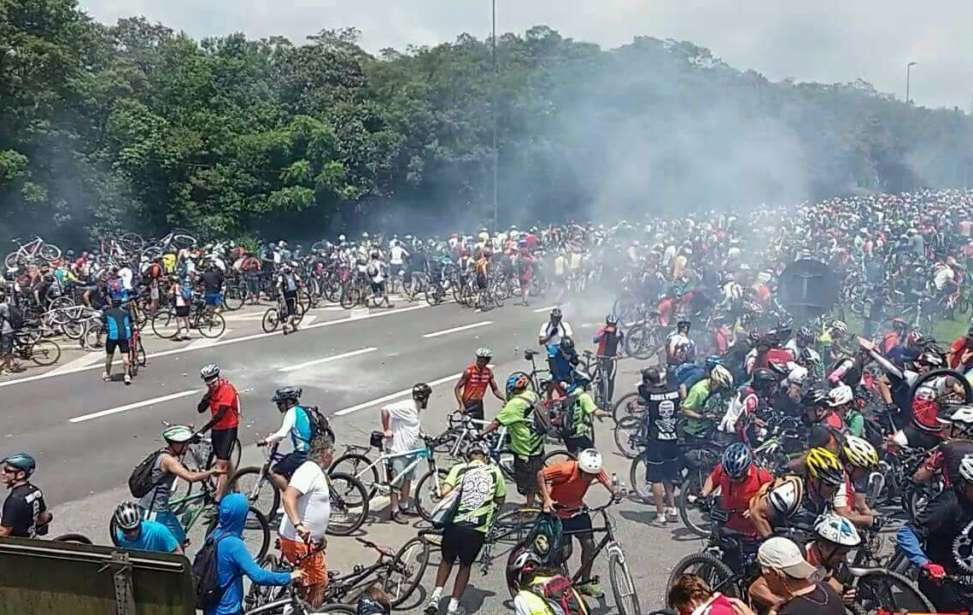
9, 470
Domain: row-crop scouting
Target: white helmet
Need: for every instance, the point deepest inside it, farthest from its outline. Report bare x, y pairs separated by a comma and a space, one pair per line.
786, 496
966, 467
177, 434
210, 371
589, 461
836, 529
721, 377
961, 418
797, 373
840, 395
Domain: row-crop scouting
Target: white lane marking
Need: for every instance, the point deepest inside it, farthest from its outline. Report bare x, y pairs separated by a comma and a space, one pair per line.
88, 359
205, 342
544, 309
133, 406
353, 353
236, 340
236, 317
455, 329
391, 396
307, 320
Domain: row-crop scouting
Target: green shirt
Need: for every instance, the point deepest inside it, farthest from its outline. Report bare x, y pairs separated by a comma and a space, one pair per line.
523, 440
696, 401
482, 485
856, 423
584, 410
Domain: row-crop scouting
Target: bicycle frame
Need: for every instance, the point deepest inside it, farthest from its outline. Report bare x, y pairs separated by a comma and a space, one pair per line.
420, 454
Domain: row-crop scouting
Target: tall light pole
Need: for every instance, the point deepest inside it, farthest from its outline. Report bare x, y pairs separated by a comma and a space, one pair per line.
493, 110
908, 80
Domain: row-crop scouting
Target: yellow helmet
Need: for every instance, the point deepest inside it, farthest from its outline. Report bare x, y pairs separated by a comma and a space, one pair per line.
824, 465
859, 452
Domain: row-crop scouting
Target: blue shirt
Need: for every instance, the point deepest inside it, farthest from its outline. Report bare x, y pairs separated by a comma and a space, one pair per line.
301, 432
152, 536
118, 323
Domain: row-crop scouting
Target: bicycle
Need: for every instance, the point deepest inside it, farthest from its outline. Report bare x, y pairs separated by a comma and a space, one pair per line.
29, 345
276, 315
199, 456
537, 378
136, 352
399, 572
275, 600
30, 251
210, 324
349, 500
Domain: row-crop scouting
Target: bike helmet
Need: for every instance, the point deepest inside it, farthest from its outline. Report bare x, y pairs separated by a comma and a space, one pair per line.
287, 393
556, 314
824, 465
925, 410
930, 358
763, 378
23, 462
209, 372
523, 566
683, 324
567, 344
477, 446
590, 461
961, 418
966, 468
840, 395
421, 391
517, 382
128, 516
484, 353
611, 319
786, 496
837, 530
713, 361
721, 377
653, 376
838, 326
737, 459
177, 434
899, 323
804, 336
859, 452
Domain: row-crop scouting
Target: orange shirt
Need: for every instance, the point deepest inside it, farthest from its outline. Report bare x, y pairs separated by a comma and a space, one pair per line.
477, 381
569, 485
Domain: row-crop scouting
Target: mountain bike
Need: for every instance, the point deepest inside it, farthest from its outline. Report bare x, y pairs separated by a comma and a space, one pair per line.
28, 252
399, 572
276, 315
136, 352
209, 324
199, 456
29, 345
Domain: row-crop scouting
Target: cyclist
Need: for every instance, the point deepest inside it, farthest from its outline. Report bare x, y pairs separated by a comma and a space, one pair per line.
137, 534
297, 425
473, 383
544, 591
166, 469
680, 348
566, 484
704, 394
940, 542
118, 325
25, 513
212, 280
223, 402
662, 453
580, 414
400, 424
787, 573
690, 595
482, 493
860, 460
7, 334
554, 330
526, 443
610, 340
374, 601
946, 457
377, 271
288, 285
739, 479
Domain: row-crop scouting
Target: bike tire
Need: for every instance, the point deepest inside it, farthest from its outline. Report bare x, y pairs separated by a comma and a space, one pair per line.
45, 353
624, 432
428, 492
350, 296
879, 588
637, 479
266, 499
433, 295
689, 489
713, 571
410, 562
49, 252
165, 324
628, 405
234, 297
80, 539
256, 532
357, 465
133, 364
212, 326
348, 496
557, 456
270, 321
623, 588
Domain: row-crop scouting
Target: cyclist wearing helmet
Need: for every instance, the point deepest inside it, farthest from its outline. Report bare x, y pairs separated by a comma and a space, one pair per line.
472, 385
554, 329
401, 425
135, 534
297, 425
739, 479
860, 460
706, 396
562, 360
610, 341
960, 354
25, 513
801, 347
743, 413
946, 457
224, 405
534, 596
679, 348
688, 374
166, 468
288, 285
580, 411
565, 484
940, 542
663, 466
526, 443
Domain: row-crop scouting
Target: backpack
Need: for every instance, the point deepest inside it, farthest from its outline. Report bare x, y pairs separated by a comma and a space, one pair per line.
546, 540
565, 416
140, 482
560, 596
15, 316
318, 422
540, 421
206, 580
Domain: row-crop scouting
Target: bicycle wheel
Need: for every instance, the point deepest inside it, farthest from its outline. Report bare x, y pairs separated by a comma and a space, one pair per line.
256, 532
260, 491
405, 571
360, 467
270, 321
80, 539
165, 324
234, 297
626, 435
73, 329
623, 588
514, 525
434, 295
557, 457
695, 519
45, 352
629, 405
350, 296
716, 574
638, 479
133, 362
334, 609
349, 504
212, 325
429, 490
889, 591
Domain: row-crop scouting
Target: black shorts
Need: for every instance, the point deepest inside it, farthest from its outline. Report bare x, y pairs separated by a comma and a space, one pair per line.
525, 473
290, 300
111, 345
579, 525
223, 441
290, 463
663, 462
6, 343
182, 311
463, 543
574, 445
474, 408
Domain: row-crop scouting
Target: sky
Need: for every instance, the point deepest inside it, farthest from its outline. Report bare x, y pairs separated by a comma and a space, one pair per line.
807, 40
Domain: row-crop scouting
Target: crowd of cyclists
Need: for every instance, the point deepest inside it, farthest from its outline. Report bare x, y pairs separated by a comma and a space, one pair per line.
827, 463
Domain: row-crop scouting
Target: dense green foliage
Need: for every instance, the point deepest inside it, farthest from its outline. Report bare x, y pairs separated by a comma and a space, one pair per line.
139, 127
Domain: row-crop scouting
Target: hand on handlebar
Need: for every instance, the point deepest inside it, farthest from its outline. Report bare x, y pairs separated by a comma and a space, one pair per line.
934, 571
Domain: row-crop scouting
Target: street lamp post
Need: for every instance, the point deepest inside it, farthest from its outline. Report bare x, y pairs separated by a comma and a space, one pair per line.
908, 80
493, 109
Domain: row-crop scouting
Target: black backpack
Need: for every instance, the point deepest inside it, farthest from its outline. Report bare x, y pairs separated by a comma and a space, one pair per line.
15, 316
206, 580
565, 416
318, 422
140, 482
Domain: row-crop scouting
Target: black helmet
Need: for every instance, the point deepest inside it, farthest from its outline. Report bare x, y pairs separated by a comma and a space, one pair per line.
683, 324
555, 313
567, 344
611, 319
421, 391
763, 378
287, 393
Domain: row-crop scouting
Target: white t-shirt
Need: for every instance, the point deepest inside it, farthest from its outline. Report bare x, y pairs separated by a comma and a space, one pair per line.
398, 254
563, 330
313, 506
404, 425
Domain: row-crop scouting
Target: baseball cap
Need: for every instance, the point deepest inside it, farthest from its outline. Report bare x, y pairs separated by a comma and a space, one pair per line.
779, 553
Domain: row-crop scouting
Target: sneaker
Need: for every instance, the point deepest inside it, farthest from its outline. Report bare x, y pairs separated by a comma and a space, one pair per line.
105, 376
128, 379
660, 520
592, 589
673, 514
432, 608
459, 610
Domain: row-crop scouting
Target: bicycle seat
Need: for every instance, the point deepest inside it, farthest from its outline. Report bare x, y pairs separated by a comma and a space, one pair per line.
530, 354
377, 440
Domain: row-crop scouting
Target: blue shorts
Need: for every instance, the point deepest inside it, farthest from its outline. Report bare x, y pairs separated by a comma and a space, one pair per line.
213, 298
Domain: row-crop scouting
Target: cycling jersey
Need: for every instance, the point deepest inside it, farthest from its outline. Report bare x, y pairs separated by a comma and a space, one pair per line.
476, 383
297, 425
153, 536
946, 458
735, 495
481, 484
696, 400
524, 441
569, 485
225, 394
21, 509
608, 338
118, 324
661, 411
583, 419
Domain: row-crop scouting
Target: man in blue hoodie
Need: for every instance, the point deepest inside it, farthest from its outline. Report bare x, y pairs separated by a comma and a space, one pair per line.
234, 561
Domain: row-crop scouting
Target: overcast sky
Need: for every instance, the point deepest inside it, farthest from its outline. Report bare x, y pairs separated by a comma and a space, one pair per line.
822, 40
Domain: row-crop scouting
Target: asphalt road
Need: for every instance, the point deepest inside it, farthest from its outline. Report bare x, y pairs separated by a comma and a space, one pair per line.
87, 434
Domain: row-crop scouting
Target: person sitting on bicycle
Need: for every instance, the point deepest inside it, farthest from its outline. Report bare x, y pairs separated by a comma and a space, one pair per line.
288, 285
739, 479
580, 409
939, 542
25, 513
702, 396
135, 534
297, 425
525, 443
118, 324
565, 485
472, 385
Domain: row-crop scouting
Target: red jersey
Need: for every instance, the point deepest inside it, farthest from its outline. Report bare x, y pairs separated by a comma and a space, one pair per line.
225, 395
477, 381
568, 485
736, 495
